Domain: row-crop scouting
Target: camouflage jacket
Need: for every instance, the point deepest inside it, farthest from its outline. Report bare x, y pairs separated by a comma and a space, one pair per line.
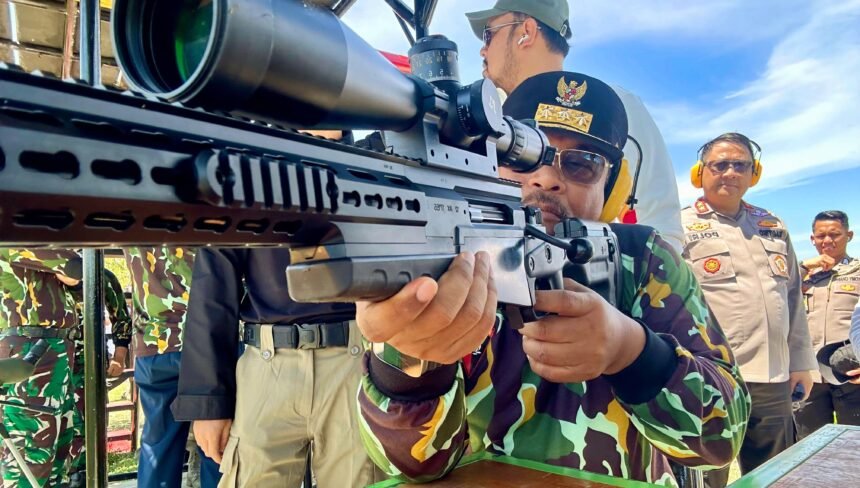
683, 398
114, 303
32, 294
161, 282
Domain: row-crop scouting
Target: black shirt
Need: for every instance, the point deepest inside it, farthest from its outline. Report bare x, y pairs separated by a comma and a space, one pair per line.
218, 301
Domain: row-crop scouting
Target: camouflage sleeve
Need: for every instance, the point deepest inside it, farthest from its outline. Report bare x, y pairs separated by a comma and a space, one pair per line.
412, 428
65, 262
118, 310
699, 416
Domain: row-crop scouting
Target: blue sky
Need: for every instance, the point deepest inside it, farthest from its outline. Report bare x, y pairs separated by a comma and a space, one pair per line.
784, 72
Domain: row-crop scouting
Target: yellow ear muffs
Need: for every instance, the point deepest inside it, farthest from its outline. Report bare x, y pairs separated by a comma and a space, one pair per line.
755, 150
696, 174
615, 202
756, 169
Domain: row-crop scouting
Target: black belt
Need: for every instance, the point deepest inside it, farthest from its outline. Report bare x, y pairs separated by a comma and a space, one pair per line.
300, 336
70, 333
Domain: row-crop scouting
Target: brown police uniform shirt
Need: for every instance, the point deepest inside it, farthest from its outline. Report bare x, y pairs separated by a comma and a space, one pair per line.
831, 297
748, 270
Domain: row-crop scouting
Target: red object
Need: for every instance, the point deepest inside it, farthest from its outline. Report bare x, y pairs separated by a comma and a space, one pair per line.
400, 61
629, 217
119, 441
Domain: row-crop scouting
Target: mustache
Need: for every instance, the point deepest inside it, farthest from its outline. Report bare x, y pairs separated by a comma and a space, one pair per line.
550, 202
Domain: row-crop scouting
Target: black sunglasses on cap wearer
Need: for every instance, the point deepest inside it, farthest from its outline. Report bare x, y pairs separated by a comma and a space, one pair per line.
720, 167
489, 31
579, 166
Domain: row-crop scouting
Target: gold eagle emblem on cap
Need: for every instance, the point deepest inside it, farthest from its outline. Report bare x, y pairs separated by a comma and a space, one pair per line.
570, 95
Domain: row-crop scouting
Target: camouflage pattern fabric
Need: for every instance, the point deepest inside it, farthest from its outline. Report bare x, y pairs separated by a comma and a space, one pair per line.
31, 294
45, 439
77, 434
161, 282
698, 418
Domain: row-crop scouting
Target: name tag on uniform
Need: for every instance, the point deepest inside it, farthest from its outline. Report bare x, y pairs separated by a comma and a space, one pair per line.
772, 233
696, 236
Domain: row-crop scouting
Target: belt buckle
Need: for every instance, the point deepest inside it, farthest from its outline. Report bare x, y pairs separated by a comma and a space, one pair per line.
249, 333
309, 336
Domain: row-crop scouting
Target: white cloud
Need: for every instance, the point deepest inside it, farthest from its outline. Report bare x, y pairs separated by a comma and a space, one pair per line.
733, 21
803, 109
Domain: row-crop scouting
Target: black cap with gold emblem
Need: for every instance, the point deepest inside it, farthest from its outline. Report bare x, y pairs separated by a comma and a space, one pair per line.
576, 103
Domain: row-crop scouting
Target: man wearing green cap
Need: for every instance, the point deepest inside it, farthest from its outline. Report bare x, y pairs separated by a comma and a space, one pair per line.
524, 38
616, 391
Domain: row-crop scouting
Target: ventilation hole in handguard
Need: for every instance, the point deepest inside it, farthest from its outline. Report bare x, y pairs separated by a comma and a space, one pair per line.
62, 163
210, 224
170, 224
44, 218
126, 170
116, 222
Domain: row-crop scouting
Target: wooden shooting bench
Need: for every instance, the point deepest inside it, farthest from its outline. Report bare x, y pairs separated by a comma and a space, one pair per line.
485, 470
829, 458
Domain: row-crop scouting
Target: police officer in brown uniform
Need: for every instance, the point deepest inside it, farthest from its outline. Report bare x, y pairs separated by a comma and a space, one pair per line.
831, 291
745, 263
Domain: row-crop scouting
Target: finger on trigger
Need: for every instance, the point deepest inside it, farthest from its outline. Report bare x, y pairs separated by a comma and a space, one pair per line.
563, 302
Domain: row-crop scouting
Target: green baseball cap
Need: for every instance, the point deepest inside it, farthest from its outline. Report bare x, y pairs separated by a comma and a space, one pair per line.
554, 13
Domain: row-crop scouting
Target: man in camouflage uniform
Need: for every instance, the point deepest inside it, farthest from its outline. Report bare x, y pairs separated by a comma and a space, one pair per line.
118, 314
36, 303
591, 387
161, 283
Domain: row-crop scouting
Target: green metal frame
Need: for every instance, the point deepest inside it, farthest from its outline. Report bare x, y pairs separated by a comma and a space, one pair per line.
771, 471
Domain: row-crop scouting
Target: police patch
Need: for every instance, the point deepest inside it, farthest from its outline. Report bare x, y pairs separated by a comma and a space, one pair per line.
712, 265
781, 265
702, 207
771, 224
757, 212
699, 226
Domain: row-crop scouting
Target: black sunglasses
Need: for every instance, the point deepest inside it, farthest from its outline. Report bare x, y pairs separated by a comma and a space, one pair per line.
720, 167
580, 166
489, 31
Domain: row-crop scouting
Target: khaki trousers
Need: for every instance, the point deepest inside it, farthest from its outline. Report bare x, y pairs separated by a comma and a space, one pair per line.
288, 401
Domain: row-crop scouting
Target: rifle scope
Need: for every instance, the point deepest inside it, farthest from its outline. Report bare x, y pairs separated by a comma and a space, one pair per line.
284, 62
272, 60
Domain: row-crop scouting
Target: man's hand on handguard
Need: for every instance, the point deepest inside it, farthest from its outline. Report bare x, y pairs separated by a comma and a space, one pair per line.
855, 376
587, 337
436, 321
212, 436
